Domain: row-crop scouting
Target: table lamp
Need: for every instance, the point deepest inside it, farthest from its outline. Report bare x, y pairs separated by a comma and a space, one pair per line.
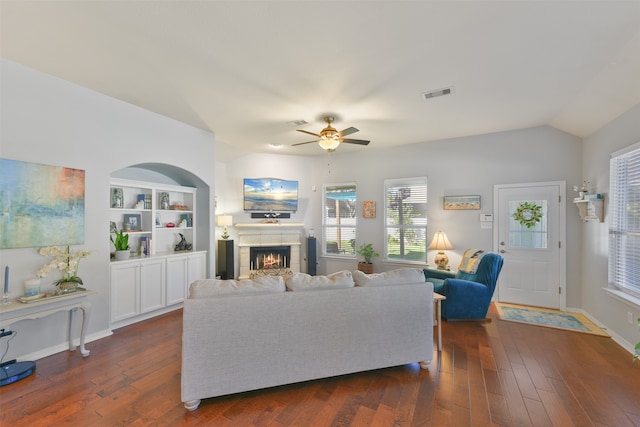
441, 243
223, 221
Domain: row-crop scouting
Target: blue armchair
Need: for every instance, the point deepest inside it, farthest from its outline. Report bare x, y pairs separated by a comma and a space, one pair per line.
469, 291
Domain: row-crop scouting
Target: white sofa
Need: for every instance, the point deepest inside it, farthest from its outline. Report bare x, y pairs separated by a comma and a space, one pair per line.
252, 334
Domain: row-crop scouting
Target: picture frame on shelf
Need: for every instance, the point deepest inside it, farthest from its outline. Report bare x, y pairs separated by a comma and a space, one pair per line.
132, 222
117, 197
457, 203
163, 200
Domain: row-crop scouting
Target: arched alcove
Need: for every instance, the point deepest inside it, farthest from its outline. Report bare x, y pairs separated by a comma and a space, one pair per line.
162, 173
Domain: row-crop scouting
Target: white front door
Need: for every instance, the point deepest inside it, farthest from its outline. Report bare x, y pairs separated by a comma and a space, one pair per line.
530, 236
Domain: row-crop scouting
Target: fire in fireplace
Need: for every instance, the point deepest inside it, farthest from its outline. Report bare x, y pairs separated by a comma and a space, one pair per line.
270, 257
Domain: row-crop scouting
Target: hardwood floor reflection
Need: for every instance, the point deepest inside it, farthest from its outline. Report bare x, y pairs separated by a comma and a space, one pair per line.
492, 373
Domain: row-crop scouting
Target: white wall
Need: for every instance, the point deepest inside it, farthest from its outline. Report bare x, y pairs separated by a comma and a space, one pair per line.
230, 188
470, 165
621, 132
47, 120
464, 166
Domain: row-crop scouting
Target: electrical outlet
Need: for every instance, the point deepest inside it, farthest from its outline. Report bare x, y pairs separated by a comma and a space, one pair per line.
630, 318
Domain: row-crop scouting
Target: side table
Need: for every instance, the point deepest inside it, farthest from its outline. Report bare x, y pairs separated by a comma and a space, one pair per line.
437, 301
16, 311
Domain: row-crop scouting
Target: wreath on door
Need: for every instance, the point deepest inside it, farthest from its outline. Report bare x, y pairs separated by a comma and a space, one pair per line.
528, 214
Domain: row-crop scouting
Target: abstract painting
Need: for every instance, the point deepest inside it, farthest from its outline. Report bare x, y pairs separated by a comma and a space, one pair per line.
41, 205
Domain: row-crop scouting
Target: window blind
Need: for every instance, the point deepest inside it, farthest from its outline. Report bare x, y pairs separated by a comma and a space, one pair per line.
339, 219
624, 220
406, 219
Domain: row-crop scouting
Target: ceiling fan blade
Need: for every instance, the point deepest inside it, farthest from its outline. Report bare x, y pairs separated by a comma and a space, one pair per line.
355, 141
307, 132
302, 143
348, 131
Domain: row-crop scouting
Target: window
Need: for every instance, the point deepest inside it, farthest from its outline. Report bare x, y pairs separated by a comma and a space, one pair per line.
339, 220
624, 220
406, 219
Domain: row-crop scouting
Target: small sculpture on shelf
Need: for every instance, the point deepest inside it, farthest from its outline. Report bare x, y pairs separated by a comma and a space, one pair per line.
183, 245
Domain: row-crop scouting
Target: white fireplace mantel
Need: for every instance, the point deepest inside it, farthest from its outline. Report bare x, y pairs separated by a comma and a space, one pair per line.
269, 234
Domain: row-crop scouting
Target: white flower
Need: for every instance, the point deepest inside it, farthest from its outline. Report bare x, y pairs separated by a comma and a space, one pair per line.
64, 260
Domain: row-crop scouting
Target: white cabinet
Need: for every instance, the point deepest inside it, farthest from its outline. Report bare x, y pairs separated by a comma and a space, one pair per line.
148, 286
137, 287
125, 290
181, 271
152, 285
176, 276
155, 282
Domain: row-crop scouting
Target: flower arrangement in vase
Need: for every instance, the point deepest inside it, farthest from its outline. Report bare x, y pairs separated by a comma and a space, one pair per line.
582, 190
67, 262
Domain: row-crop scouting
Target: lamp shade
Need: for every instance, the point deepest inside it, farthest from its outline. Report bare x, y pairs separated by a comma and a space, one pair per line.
440, 242
329, 144
224, 220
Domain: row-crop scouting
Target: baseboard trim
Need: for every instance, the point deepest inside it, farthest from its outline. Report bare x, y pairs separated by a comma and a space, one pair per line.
614, 336
65, 346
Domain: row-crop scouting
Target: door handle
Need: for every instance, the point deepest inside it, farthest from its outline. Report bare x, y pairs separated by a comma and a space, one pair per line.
502, 251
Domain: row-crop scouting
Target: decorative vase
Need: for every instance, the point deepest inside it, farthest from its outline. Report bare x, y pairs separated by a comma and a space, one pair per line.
68, 287
121, 255
365, 268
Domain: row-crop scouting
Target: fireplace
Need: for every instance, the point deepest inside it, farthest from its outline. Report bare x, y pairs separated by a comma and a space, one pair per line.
269, 249
269, 257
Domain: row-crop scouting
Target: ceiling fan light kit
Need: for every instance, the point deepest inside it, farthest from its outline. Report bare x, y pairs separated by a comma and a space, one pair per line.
330, 138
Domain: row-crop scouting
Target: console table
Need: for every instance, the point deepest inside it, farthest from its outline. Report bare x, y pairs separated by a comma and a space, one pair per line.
16, 311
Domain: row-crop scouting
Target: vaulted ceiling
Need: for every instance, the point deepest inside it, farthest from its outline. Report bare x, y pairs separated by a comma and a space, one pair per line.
245, 69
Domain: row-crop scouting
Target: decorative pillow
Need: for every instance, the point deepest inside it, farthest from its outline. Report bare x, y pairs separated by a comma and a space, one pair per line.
224, 288
470, 261
400, 276
304, 282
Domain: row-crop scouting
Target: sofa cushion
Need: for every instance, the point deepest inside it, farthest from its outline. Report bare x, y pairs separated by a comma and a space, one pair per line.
223, 288
304, 282
401, 276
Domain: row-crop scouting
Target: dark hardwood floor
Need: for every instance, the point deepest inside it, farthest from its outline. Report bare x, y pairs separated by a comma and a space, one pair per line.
492, 373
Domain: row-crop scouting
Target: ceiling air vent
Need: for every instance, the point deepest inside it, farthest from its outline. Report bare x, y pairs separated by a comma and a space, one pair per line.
296, 123
439, 92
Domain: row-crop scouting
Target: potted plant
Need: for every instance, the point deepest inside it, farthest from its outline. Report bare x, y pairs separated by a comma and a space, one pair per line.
121, 243
65, 261
367, 252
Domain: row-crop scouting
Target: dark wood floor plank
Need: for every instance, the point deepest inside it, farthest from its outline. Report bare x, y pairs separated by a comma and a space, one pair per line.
572, 404
488, 374
525, 384
555, 409
537, 414
514, 399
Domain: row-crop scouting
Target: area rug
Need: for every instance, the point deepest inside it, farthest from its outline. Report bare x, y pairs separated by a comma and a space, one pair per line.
548, 317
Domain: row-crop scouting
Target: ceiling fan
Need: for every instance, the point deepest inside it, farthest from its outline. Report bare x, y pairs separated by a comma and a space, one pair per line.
329, 138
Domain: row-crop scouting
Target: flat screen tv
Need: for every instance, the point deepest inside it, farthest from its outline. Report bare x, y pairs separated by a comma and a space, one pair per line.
270, 195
